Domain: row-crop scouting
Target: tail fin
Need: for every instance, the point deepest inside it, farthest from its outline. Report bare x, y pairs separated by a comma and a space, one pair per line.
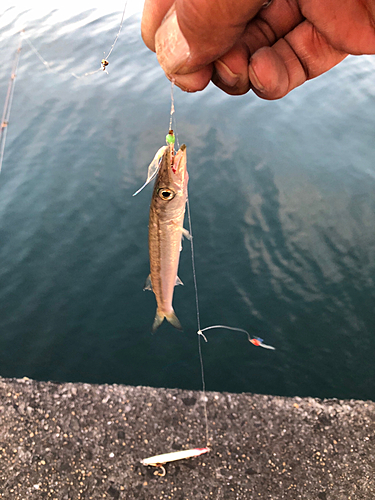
170, 317
159, 318
173, 320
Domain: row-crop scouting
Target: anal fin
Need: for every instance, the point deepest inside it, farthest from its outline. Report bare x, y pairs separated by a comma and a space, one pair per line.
178, 281
148, 284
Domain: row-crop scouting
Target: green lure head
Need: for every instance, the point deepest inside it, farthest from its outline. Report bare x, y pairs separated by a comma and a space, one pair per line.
170, 138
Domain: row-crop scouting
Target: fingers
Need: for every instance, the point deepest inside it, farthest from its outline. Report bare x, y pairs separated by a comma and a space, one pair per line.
152, 17
194, 33
154, 13
299, 56
241, 46
198, 80
231, 70
274, 71
270, 24
349, 25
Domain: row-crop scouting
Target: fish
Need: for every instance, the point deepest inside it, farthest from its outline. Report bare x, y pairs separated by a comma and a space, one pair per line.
167, 212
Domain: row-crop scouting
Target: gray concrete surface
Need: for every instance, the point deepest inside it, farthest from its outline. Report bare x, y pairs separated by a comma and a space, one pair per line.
81, 441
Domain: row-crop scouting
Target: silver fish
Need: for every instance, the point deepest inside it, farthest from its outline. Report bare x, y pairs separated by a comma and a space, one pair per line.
166, 229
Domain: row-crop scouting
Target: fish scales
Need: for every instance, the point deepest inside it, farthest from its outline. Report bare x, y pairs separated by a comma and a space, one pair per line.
167, 212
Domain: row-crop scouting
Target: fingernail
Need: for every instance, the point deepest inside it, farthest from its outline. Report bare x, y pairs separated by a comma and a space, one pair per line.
187, 83
225, 74
172, 49
254, 78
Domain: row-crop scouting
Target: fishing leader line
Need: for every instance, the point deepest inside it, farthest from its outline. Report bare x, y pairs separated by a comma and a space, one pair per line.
257, 341
173, 118
104, 62
48, 66
8, 103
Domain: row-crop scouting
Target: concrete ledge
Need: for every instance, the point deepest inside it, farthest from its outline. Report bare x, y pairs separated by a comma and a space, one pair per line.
81, 441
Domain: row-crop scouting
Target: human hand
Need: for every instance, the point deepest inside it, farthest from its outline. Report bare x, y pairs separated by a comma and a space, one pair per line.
241, 45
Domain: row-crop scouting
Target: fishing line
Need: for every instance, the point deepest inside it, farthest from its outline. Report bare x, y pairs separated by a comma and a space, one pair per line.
226, 328
38, 54
172, 116
8, 103
104, 61
118, 33
257, 341
200, 334
47, 65
172, 106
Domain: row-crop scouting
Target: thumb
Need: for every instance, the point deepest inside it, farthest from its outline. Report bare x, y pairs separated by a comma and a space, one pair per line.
195, 33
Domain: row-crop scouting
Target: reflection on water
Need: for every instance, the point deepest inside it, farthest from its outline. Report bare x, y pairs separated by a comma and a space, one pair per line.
282, 201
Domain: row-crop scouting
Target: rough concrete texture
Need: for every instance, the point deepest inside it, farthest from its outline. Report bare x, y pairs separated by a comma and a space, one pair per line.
80, 441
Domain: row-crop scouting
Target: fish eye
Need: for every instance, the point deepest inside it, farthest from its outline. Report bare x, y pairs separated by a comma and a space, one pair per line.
166, 194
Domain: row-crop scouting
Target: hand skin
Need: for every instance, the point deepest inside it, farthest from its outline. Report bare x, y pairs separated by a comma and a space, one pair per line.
243, 45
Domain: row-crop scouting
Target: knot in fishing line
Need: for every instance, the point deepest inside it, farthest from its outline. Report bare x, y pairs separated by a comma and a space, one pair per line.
199, 332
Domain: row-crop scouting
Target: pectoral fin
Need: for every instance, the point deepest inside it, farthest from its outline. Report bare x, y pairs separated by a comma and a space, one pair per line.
186, 233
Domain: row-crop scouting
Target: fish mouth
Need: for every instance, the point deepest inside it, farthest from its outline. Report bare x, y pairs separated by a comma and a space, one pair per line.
179, 160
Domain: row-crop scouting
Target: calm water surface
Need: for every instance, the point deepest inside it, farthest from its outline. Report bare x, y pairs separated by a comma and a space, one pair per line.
282, 198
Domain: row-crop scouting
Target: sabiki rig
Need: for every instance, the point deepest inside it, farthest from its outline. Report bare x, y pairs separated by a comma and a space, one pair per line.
167, 212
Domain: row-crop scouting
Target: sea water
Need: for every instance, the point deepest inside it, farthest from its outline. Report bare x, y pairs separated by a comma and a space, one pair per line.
282, 198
